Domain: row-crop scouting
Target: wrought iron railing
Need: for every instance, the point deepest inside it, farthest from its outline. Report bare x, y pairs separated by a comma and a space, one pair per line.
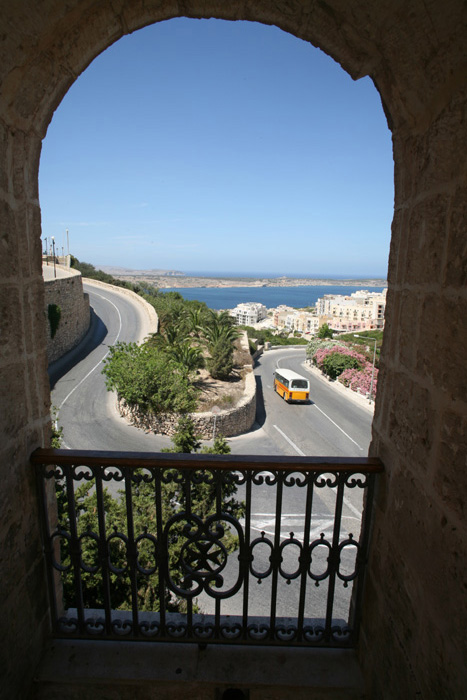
205, 548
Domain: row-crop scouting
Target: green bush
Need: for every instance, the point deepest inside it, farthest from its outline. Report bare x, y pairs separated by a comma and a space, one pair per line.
325, 331
146, 377
220, 364
335, 363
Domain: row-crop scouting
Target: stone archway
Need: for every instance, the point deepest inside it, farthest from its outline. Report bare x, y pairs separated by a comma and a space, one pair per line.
415, 55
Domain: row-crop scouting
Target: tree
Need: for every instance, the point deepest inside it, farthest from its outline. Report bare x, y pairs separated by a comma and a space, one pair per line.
217, 326
220, 363
195, 320
184, 440
220, 333
187, 355
325, 331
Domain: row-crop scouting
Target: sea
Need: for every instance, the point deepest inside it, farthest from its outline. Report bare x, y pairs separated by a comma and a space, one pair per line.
271, 297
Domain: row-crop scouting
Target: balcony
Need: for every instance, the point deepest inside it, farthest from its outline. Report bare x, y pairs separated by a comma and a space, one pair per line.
205, 549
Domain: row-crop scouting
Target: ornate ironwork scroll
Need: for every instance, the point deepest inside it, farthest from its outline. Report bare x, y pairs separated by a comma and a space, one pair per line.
205, 549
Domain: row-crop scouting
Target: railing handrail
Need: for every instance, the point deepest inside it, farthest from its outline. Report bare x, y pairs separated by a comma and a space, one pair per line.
138, 460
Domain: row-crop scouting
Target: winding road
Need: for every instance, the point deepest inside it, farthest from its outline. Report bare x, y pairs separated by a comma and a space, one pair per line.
332, 424
86, 410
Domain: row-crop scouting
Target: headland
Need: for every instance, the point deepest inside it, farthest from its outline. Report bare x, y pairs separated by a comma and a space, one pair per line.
165, 279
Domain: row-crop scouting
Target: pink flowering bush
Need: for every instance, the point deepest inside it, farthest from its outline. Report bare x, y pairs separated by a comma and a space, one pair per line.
358, 377
360, 380
321, 354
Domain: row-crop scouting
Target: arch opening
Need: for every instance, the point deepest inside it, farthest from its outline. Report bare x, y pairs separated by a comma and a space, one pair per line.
257, 161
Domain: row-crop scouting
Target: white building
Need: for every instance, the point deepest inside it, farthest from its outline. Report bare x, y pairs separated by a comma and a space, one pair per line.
249, 313
362, 310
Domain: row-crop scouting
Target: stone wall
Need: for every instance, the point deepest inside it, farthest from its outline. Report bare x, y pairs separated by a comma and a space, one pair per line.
234, 421
415, 601
67, 293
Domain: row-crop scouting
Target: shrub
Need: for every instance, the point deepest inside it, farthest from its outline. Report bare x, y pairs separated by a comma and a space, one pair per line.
220, 364
360, 380
336, 362
146, 377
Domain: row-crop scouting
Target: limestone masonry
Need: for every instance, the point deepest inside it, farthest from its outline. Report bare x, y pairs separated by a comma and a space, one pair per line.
66, 292
412, 641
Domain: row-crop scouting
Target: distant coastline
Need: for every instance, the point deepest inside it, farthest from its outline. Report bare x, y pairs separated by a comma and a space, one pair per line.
169, 279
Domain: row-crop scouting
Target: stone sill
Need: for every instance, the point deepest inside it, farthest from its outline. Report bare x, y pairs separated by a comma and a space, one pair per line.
77, 668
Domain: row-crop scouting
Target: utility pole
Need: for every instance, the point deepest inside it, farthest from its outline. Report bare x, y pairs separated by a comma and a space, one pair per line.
374, 362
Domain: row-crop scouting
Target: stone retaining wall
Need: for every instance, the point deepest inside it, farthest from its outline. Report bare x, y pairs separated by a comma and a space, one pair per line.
233, 421
67, 293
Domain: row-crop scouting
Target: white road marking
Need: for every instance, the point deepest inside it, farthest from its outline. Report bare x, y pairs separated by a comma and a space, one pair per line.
297, 449
326, 416
321, 524
100, 361
338, 426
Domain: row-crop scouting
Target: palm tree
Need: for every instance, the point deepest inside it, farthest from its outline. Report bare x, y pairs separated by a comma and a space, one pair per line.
194, 320
220, 334
190, 357
219, 327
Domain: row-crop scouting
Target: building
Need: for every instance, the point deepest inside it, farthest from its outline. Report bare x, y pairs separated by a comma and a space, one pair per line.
362, 310
249, 313
281, 314
412, 641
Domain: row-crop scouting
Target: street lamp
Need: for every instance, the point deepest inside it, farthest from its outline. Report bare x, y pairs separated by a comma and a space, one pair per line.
53, 253
374, 360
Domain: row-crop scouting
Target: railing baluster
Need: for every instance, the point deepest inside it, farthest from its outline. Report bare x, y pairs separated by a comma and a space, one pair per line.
219, 483
305, 557
201, 546
75, 547
245, 559
131, 552
334, 555
275, 556
161, 552
188, 496
104, 553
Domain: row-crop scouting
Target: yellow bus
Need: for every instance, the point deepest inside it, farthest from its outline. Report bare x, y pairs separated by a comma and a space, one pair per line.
291, 386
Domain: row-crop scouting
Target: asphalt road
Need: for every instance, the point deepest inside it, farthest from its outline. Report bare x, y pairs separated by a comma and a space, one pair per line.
331, 425
86, 410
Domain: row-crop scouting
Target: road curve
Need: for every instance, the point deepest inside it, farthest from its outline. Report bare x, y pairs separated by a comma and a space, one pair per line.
86, 409
331, 425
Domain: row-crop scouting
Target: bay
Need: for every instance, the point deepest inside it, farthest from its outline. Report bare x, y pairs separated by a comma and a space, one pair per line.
271, 297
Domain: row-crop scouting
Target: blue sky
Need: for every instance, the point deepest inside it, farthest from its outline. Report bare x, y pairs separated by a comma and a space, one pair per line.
213, 146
